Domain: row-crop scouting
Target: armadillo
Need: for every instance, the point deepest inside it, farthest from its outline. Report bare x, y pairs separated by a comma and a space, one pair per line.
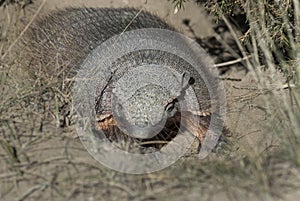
62, 40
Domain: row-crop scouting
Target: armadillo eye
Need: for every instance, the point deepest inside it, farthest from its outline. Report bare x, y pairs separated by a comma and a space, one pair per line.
170, 107
191, 81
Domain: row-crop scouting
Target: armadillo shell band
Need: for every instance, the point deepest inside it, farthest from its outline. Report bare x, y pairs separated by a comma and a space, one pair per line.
56, 44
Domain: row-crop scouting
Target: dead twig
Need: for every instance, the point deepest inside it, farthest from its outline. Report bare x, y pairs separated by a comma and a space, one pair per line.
32, 190
228, 63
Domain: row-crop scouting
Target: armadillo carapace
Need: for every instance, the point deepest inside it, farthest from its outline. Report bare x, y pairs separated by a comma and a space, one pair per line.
60, 42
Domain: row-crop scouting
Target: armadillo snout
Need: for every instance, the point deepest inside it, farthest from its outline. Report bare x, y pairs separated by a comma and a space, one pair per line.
142, 124
139, 123
144, 131
140, 113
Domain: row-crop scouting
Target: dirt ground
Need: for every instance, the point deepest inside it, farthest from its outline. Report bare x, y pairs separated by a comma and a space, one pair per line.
52, 164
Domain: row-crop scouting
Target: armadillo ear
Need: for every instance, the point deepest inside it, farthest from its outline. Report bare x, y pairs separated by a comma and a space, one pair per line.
185, 80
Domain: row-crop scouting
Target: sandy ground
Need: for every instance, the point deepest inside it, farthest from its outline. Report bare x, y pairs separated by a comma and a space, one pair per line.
75, 175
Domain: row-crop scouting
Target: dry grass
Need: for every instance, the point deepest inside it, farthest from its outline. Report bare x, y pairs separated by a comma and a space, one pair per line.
276, 72
41, 161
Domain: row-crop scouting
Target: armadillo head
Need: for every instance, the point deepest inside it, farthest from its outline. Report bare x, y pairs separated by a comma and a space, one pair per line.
145, 97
